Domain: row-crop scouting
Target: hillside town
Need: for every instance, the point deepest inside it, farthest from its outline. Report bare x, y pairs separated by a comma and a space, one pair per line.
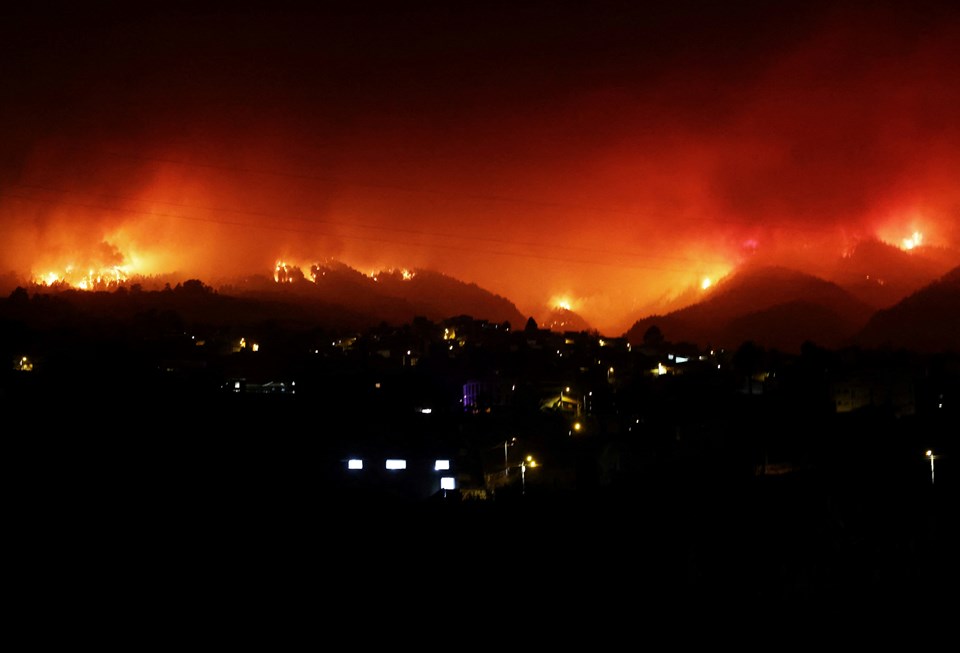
824, 475
594, 411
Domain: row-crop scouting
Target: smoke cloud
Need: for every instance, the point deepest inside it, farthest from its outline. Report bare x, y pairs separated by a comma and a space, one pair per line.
613, 155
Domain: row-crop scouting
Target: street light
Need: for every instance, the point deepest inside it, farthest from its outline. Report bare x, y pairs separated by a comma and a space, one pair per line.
932, 457
506, 463
527, 462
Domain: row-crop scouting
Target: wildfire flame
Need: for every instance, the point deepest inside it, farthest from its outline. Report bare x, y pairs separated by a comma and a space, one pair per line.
92, 279
915, 240
287, 272
564, 304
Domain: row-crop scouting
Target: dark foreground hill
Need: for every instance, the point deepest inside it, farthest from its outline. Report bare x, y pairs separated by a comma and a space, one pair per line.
391, 296
881, 275
775, 307
927, 321
336, 298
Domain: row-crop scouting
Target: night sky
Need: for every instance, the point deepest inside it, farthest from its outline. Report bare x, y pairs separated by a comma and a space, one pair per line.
606, 154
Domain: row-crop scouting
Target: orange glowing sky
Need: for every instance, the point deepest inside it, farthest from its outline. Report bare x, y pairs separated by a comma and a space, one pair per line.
609, 156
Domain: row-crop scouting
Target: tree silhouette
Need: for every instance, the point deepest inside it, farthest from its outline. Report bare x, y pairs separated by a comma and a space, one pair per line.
747, 361
19, 297
193, 287
653, 337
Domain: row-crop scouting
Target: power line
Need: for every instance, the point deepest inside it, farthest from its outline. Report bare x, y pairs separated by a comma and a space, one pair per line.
779, 224
344, 225
273, 227
355, 225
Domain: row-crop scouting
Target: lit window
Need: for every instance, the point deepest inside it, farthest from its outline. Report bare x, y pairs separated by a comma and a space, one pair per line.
441, 465
448, 483
355, 463
394, 463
